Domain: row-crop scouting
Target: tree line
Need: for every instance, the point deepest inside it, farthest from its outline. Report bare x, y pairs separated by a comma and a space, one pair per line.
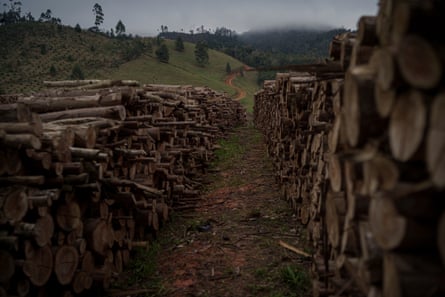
12, 14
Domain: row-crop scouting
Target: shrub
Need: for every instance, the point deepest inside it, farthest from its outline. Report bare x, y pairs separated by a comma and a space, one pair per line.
162, 54
77, 72
52, 71
43, 49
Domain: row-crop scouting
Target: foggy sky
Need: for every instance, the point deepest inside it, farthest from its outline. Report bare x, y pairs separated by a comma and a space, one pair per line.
145, 17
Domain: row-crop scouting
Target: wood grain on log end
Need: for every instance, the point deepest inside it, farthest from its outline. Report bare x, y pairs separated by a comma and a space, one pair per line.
419, 63
407, 125
66, 260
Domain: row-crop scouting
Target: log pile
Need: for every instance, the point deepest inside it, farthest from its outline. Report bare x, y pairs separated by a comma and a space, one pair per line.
87, 174
361, 158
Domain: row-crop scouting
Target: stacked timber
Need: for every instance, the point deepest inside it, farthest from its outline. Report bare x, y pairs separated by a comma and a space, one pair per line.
88, 174
377, 216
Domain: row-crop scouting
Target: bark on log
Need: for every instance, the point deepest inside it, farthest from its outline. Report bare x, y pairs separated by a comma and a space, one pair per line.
69, 83
88, 154
359, 106
34, 128
51, 104
335, 213
112, 112
20, 141
435, 141
16, 112
366, 31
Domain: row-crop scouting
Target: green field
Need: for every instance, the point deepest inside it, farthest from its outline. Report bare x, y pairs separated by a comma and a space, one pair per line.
181, 69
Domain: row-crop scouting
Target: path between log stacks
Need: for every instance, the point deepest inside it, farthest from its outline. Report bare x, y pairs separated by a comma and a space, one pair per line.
229, 246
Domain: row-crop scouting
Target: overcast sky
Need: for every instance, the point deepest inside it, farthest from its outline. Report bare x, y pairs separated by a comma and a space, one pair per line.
145, 17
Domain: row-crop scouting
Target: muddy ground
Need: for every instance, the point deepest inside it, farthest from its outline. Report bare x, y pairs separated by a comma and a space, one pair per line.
229, 245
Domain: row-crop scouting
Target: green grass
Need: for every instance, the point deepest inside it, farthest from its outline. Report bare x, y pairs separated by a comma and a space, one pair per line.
142, 272
229, 152
288, 281
297, 279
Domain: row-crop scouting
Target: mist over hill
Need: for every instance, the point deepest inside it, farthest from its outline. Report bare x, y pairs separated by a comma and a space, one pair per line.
309, 43
292, 40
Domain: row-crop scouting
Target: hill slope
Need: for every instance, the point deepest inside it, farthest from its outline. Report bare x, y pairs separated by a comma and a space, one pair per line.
182, 69
32, 52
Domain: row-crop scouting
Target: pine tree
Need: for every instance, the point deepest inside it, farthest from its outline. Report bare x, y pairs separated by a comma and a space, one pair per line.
201, 53
77, 72
120, 28
52, 70
162, 54
228, 68
99, 14
179, 44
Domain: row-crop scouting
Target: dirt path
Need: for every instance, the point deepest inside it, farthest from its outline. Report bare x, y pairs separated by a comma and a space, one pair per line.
230, 245
229, 82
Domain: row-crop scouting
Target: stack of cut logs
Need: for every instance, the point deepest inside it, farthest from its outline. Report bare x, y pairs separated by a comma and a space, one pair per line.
88, 174
361, 159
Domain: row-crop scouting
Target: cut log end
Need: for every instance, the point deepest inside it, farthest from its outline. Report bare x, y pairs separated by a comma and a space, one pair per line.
407, 125
418, 62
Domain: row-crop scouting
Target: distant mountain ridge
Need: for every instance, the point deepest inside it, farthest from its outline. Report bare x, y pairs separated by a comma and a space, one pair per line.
292, 41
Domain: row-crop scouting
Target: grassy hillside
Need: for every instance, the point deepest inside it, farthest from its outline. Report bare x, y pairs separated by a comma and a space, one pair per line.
181, 69
33, 52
